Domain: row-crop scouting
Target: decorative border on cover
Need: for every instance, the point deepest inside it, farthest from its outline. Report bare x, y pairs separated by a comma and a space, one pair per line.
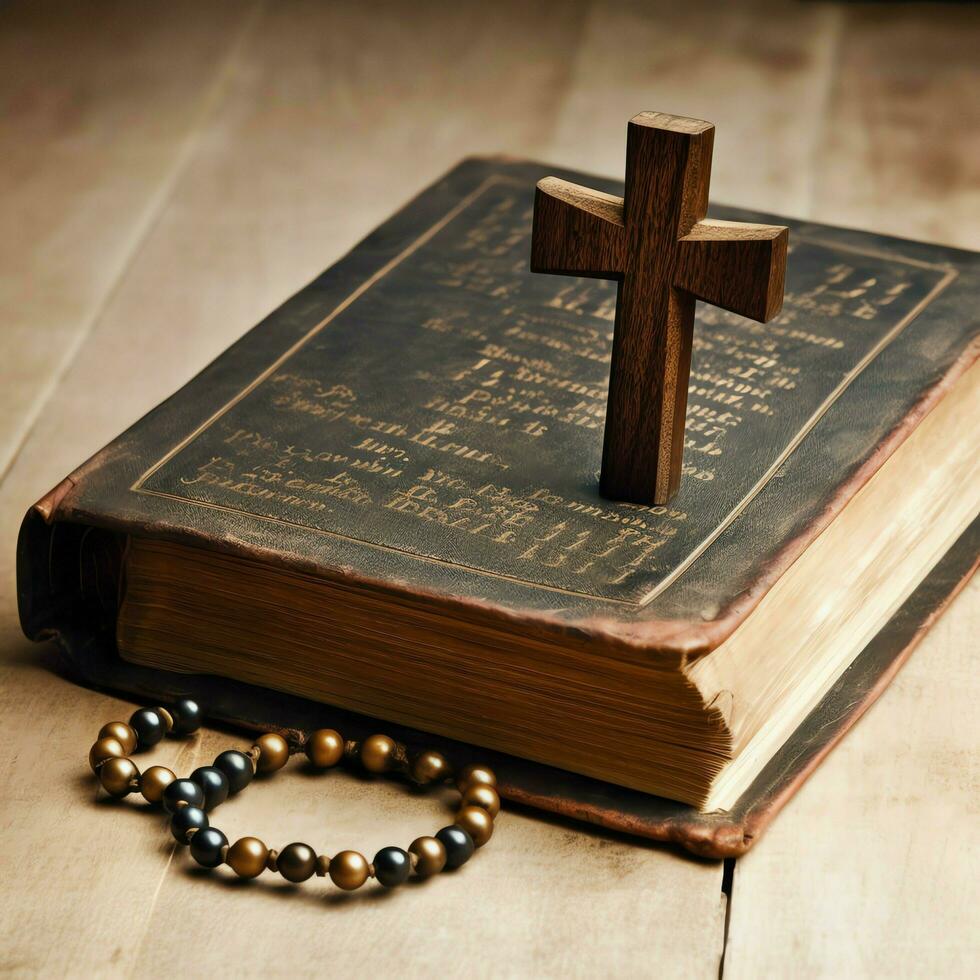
949, 275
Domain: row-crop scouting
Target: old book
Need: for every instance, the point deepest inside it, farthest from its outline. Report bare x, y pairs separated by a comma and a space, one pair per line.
384, 498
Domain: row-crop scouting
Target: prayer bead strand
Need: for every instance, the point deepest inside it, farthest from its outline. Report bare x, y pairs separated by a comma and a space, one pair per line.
188, 801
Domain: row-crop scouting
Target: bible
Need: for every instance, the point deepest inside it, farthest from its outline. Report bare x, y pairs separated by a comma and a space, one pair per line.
384, 498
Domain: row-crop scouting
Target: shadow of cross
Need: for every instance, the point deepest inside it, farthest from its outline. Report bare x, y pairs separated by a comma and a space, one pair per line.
664, 253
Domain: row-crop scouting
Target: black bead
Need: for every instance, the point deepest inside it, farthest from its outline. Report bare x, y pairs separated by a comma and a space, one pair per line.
185, 819
149, 727
458, 844
182, 791
391, 866
296, 862
214, 783
206, 847
237, 766
187, 715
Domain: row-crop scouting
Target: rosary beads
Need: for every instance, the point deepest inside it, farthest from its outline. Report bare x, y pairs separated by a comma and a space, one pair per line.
188, 801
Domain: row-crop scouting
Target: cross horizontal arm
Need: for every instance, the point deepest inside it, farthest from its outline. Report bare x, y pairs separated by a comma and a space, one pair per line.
577, 231
739, 267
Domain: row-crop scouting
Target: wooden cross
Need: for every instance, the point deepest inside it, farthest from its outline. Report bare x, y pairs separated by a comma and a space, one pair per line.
658, 245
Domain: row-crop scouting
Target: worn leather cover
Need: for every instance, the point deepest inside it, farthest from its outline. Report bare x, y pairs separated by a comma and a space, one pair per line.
426, 417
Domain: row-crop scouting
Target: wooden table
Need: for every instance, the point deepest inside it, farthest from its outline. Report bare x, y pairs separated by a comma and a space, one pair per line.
173, 171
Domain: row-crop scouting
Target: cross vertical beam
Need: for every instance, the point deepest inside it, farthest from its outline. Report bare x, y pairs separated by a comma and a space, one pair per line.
656, 243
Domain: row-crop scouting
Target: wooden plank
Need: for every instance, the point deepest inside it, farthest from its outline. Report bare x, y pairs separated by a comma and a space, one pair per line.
520, 907
285, 177
101, 889
288, 176
307, 155
758, 70
98, 104
900, 147
867, 872
870, 871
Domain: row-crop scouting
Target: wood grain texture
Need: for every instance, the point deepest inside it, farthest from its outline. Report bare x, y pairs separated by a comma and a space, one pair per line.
102, 890
656, 244
94, 123
899, 150
814, 106
252, 216
870, 870
759, 70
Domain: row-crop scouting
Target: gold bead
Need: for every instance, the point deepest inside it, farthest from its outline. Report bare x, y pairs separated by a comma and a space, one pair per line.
324, 748
122, 733
322, 866
154, 781
430, 855
475, 774
483, 796
348, 870
117, 775
430, 767
273, 752
166, 717
247, 857
103, 749
376, 753
477, 823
